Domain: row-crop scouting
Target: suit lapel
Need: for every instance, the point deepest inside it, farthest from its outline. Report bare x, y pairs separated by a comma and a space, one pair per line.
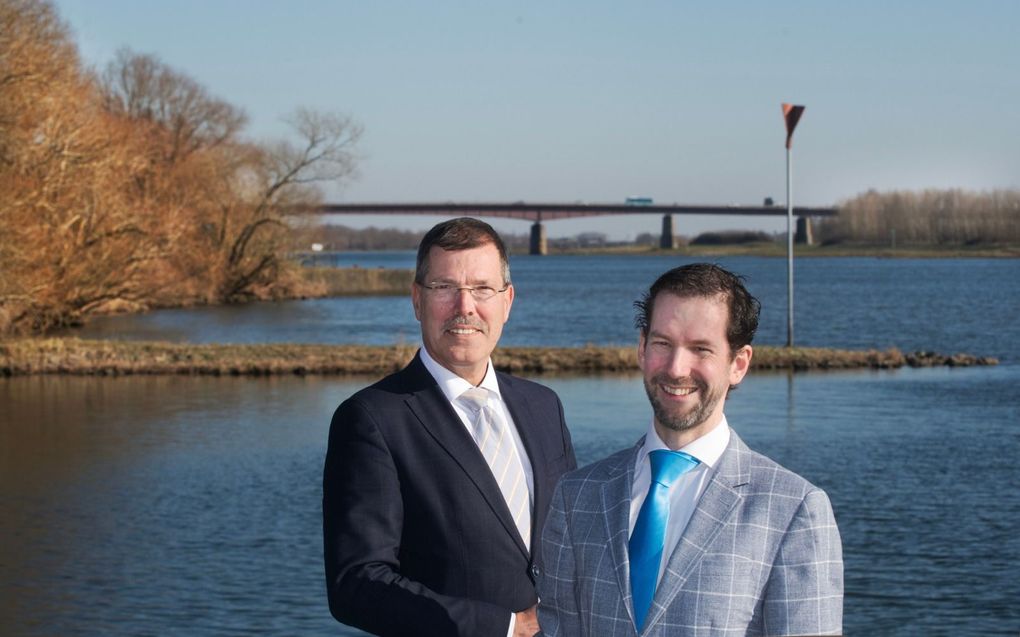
527, 427
523, 418
711, 514
437, 417
616, 500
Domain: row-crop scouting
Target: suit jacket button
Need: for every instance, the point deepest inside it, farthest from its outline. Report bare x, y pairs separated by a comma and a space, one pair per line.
535, 570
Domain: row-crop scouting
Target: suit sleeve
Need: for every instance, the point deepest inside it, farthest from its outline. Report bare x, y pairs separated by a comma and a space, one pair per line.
363, 519
558, 608
804, 593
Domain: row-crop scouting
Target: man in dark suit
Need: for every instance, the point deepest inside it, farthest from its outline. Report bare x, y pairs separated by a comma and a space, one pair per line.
438, 478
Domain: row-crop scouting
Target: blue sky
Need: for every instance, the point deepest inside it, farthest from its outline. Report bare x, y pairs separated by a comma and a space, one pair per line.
596, 101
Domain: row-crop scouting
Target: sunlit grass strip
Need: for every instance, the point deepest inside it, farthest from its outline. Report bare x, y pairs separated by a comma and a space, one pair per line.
99, 357
359, 281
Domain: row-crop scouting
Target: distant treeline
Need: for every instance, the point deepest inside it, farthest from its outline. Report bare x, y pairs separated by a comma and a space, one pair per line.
133, 187
340, 237
930, 217
731, 237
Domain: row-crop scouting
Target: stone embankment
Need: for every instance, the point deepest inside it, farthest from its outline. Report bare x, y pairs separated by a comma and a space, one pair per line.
100, 357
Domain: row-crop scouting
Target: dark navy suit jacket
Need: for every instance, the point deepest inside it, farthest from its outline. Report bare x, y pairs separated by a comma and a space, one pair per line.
418, 538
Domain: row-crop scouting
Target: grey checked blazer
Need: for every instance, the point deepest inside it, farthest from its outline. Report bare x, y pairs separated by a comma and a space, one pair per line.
761, 555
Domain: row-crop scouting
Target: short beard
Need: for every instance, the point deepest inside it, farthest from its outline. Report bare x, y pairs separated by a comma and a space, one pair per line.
675, 421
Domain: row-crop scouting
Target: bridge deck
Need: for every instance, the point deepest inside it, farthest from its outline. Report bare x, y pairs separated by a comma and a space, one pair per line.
550, 211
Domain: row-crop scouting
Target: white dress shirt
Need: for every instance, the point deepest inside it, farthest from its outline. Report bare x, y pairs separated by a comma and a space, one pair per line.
452, 387
687, 490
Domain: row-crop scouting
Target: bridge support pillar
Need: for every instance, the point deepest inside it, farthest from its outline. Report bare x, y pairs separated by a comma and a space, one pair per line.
538, 241
668, 239
804, 235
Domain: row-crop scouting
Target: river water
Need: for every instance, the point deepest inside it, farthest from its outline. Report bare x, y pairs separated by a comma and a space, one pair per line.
178, 505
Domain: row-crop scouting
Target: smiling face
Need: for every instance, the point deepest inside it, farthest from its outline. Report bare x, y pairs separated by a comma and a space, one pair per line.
460, 334
688, 366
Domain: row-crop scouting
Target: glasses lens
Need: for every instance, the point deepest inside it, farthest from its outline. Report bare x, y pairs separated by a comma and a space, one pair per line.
482, 293
448, 293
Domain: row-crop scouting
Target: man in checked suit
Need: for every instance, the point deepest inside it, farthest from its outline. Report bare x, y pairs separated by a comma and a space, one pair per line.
726, 542
422, 537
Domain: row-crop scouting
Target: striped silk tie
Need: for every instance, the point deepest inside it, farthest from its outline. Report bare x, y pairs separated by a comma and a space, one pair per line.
492, 435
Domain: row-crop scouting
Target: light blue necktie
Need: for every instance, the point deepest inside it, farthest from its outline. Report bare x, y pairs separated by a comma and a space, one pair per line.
650, 530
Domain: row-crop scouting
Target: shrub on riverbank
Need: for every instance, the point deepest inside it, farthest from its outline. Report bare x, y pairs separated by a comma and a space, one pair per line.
87, 357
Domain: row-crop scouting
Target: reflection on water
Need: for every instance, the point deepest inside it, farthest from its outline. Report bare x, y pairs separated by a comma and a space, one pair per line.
156, 505
178, 505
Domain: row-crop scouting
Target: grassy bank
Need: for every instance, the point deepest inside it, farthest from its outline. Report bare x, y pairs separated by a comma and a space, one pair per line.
327, 281
87, 357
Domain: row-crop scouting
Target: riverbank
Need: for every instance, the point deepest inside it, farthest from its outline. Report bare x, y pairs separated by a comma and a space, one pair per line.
74, 356
773, 249
312, 282
325, 281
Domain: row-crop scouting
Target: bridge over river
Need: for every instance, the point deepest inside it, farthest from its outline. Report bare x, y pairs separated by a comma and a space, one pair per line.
539, 212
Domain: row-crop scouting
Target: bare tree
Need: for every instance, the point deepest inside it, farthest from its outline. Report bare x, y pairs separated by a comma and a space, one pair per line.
281, 179
231, 197
143, 88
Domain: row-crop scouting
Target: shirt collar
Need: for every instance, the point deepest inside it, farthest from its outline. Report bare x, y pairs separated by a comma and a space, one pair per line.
453, 385
707, 449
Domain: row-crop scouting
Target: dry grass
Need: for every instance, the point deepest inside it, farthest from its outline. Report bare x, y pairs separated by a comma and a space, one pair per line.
327, 281
97, 357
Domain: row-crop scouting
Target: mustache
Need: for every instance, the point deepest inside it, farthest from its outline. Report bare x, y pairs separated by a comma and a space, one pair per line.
466, 321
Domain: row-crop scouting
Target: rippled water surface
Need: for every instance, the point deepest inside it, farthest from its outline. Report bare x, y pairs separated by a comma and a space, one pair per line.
167, 505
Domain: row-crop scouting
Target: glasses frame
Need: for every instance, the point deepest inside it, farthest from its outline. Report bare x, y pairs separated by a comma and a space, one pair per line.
438, 289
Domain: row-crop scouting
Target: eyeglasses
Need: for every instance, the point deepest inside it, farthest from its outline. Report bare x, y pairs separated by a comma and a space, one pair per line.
447, 292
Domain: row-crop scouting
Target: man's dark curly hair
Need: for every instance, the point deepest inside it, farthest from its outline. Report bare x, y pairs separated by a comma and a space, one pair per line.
705, 280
